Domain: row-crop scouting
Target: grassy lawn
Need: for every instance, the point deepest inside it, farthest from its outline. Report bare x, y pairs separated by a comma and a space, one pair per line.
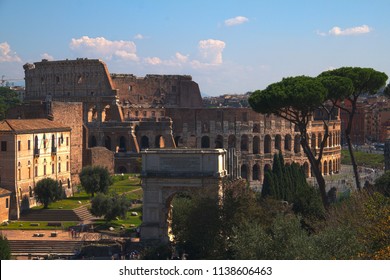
364, 159
28, 225
127, 183
129, 223
121, 184
73, 202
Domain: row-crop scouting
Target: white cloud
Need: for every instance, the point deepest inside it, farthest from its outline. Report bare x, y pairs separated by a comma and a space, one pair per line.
181, 58
139, 37
211, 51
100, 46
236, 21
153, 60
47, 56
6, 55
337, 31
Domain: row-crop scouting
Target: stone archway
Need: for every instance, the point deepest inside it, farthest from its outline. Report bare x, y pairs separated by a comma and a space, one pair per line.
166, 172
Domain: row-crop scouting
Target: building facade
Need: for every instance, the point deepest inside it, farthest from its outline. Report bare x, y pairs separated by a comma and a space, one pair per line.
127, 114
32, 150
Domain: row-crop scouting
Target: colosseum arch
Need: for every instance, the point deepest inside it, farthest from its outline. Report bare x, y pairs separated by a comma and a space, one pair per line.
313, 141
297, 143
122, 144
107, 142
267, 144
159, 141
144, 142
166, 172
231, 141
244, 143
278, 142
244, 171
205, 142
256, 145
287, 142
256, 172
219, 142
92, 141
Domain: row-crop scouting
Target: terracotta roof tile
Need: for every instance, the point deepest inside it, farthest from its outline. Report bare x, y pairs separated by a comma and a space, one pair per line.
27, 125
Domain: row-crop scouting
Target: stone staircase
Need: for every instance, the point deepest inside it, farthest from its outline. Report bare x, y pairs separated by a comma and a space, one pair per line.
78, 214
49, 215
84, 214
44, 247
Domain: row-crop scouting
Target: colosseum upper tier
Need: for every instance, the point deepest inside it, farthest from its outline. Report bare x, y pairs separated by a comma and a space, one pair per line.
127, 114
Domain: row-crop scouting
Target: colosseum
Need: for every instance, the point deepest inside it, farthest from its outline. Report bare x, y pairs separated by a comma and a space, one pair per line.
126, 114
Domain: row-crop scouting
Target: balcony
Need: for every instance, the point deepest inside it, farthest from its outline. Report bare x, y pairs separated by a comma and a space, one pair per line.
36, 152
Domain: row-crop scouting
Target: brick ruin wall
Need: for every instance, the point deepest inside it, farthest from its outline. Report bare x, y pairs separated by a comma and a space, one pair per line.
100, 156
157, 90
71, 114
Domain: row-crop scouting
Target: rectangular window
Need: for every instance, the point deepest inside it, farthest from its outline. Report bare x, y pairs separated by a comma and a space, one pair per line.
52, 168
6, 203
36, 171
67, 166
67, 141
44, 170
3, 146
29, 144
19, 174
29, 172
19, 145
59, 167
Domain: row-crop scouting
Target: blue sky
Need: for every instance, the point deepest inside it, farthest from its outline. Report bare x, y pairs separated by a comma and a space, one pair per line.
227, 46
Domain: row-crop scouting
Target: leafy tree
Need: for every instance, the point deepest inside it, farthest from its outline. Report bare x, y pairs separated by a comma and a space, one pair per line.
95, 179
109, 206
295, 99
382, 184
198, 234
47, 191
288, 182
364, 81
8, 99
5, 250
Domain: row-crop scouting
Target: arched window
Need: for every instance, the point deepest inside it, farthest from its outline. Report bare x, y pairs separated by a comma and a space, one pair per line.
297, 143
278, 142
256, 172
244, 171
36, 143
232, 141
313, 141
144, 142
244, 143
205, 142
219, 142
256, 145
159, 142
178, 141
107, 142
287, 142
122, 144
267, 144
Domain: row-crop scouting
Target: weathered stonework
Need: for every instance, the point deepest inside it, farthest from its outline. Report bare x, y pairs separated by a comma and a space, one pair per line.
100, 156
166, 172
